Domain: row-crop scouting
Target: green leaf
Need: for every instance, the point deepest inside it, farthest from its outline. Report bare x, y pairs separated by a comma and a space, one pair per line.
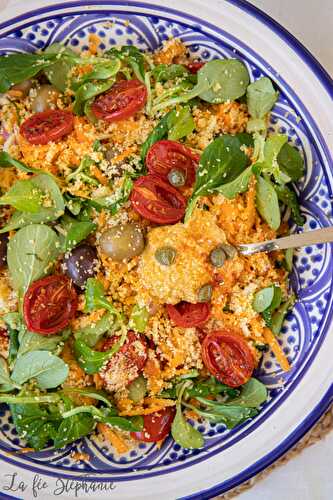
180, 123
75, 231
252, 395
288, 259
57, 73
157, 134
131, 56
92, 333
167, 72
267, 203
221, 162
30, 341
49, 370
108, 416
222, 413
238, 185
87, 91
225, 80
6, 384
288, 196
92, 361
137, 389
291, 162
261, 97
139, 319
52, 207
123, 197
34, 423
24, 195
272, 148
263, 299
6, 161
95, 298
15, 68
183, 432
208, 387
101, 71
279, 316
31, 254
218, 81
73, 428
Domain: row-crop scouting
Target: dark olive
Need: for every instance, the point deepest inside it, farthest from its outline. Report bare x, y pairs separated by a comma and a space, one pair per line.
122, 242
3, 248
205, 293
81, 264
46, 98
165, 255
177, 178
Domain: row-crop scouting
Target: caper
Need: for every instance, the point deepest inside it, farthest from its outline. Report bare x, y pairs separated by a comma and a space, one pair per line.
165, 255
205, 293
217, 256
177, 178
122, 242
220, 253
46, 98
229, 250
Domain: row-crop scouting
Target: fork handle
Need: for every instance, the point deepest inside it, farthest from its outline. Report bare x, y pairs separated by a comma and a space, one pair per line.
324, 235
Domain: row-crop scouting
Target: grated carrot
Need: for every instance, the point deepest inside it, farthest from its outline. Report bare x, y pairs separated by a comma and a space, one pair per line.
95, 171
113, 437
275, 346
124, 154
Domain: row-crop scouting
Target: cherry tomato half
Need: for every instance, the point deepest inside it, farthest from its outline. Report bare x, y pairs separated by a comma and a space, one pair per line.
49, 304
156, 426
187, 315
156, 200
227, 356
130, 359
48, 126
194, 67
165, 156
124, 99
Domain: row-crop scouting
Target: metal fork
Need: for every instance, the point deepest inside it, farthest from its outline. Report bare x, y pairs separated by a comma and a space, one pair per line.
295, 240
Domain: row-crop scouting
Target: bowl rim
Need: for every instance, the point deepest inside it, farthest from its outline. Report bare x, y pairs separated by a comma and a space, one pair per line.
327, 82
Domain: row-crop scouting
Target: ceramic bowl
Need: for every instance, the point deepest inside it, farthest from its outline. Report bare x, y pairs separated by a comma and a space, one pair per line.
304, 112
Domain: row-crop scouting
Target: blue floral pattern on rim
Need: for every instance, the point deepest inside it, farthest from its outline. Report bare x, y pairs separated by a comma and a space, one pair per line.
304, 327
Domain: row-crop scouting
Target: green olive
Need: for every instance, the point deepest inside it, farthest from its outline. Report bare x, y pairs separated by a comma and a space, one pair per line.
46, 98
122, 242
165, 255
177, 178
205, 293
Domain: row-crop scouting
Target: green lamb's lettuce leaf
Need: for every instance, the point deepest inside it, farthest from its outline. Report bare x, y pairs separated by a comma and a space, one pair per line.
261, 97
51, 208
49, 370
31, 254
220, 163
291, 162
267, 202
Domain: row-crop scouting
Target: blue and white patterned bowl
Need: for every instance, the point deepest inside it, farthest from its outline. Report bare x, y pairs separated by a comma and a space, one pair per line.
297, 399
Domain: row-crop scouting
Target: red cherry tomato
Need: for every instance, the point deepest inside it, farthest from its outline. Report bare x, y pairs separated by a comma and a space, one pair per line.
164, 156
227, 356
156, 426
187, 315
130, 358
49, 304
194, 67
124, 99
156, 200
48, 126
